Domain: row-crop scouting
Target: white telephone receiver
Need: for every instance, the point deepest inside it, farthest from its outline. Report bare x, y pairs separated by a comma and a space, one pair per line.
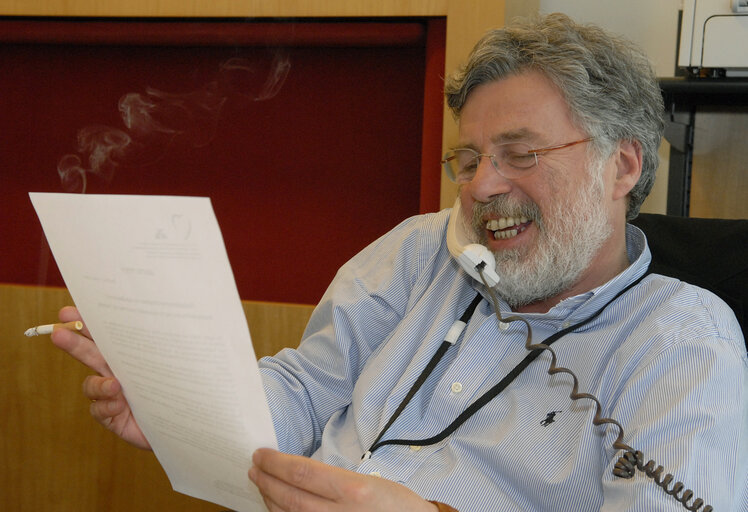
470, 256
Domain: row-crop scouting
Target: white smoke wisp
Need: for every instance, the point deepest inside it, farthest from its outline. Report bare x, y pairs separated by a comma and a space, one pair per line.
137, 111
154, 119
103, 145
193, 115
278, 73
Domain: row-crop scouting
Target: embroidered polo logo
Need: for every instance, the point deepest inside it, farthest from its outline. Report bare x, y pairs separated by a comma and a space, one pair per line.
550, 418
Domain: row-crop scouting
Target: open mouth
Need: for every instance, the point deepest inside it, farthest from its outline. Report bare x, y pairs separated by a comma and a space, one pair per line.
507, 227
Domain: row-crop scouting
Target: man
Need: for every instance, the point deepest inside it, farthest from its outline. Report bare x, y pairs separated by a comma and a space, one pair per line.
559, 126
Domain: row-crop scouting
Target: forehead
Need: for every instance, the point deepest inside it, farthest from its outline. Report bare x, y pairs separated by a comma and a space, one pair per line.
526, 106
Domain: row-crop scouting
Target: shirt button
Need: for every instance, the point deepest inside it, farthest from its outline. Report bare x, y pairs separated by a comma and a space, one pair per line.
503, 326
376, 473
456, 387
566, 325
415, 448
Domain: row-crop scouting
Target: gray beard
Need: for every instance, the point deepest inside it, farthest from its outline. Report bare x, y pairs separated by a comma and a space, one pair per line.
570, 234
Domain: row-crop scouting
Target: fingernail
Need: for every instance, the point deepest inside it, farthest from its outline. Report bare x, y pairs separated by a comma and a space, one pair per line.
110, 387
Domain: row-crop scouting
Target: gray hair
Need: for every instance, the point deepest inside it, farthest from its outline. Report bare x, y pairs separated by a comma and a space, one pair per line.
608, 83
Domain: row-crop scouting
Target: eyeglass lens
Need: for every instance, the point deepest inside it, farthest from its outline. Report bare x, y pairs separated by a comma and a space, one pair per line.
510, 160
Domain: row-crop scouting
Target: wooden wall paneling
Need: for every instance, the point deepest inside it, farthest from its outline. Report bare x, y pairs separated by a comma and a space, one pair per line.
53, 455
719, 181
230, 8
274, 326
433, 116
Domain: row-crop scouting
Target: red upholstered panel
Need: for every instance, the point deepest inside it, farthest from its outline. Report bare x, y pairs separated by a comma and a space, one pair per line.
308, 151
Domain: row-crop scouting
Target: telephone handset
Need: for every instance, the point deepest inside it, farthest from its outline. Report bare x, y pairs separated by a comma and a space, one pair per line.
472, 257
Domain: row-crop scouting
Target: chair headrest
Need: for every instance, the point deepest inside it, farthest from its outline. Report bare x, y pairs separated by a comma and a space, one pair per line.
710, 253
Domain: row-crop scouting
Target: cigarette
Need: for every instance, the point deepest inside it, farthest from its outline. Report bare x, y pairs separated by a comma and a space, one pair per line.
48, 328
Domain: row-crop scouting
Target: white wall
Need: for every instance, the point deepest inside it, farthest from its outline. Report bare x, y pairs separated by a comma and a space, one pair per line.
653, 25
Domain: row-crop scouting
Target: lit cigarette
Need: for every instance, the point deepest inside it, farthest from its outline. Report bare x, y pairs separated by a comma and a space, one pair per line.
48, 328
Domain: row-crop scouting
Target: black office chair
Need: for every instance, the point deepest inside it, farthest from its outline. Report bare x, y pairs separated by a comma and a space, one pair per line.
710, 253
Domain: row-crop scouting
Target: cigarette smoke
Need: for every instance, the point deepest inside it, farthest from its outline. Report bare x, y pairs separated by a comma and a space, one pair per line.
154, 119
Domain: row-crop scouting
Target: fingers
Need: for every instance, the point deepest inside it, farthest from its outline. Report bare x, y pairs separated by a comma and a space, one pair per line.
282, 472
106, 398
79, 344
280, 496
101, 388
70, 314
110, 408
108, 404
291, 483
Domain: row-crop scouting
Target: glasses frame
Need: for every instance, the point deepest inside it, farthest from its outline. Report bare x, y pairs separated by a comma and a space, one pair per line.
450, 155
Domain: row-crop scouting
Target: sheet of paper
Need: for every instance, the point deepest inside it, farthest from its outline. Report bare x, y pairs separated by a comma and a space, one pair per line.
152, 280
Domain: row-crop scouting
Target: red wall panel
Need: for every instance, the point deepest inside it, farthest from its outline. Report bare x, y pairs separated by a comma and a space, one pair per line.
309, 149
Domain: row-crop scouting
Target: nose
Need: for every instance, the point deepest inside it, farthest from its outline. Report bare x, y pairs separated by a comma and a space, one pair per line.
487, 182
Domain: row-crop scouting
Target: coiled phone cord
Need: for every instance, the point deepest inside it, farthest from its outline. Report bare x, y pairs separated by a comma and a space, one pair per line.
631, 459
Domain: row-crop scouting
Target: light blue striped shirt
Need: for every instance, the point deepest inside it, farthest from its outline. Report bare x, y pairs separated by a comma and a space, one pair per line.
667, 360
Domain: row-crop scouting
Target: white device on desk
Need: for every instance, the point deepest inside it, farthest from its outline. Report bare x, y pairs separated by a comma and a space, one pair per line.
714, 37
471, 256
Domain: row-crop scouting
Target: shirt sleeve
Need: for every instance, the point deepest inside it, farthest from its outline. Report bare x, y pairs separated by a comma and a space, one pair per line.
685, 408
367, 298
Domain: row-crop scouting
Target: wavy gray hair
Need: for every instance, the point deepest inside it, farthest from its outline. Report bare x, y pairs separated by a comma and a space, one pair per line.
608, 83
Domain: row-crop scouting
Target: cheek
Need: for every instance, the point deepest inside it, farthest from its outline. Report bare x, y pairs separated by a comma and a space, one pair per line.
562, 186
466, 200
558, 179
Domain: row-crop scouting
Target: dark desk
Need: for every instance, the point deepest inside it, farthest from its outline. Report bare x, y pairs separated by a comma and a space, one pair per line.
682, 98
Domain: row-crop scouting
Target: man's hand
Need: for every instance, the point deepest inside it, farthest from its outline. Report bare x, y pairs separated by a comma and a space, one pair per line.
290, 483
108, 405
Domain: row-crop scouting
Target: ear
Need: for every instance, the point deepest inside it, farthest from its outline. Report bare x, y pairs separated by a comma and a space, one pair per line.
628, 161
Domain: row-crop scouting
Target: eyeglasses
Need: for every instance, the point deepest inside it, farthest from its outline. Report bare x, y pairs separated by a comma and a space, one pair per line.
512, 160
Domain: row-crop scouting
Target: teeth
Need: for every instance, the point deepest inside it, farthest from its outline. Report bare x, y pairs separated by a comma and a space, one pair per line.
503, 235
498, 226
